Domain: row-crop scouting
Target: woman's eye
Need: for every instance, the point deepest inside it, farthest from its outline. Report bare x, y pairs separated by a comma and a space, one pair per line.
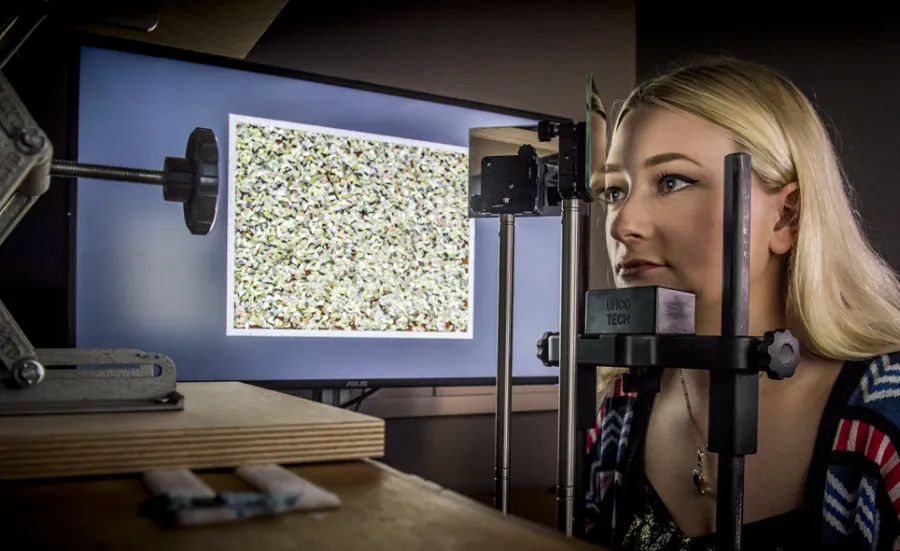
674, 182
611, 194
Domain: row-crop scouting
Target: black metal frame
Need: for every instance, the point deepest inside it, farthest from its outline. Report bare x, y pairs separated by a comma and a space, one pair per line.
176, 54
50, 92
313, 384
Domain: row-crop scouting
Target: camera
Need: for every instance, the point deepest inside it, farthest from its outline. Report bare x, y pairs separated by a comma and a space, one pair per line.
524, 184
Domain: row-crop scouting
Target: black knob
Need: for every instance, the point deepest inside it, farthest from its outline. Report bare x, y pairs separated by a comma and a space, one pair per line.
547, 130
201, 208
192, 180
547, 349
779, 354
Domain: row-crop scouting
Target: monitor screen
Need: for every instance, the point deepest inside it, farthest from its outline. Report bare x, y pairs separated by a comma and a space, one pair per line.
341, 251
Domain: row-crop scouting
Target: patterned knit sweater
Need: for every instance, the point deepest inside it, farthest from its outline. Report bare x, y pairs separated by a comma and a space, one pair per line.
852, 499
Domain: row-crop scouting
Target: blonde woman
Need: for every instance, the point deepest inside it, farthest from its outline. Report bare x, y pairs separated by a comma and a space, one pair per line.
827, 471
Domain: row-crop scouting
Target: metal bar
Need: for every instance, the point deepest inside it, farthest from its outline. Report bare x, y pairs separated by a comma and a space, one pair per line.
111, 380
504, 362
71, 169
697, 352
586, 378
14, 345
733, 396
565, 487
14, 32
23, 179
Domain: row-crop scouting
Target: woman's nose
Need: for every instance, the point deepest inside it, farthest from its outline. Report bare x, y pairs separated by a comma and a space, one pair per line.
631, 221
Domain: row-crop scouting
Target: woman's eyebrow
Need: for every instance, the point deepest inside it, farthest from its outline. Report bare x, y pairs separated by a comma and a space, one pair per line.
651, 161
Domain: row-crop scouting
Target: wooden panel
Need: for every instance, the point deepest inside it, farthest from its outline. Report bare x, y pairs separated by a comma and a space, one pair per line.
223, 425
382, 510
228, 28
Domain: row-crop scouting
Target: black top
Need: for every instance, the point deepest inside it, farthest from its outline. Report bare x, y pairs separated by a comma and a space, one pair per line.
647, 524
652, 528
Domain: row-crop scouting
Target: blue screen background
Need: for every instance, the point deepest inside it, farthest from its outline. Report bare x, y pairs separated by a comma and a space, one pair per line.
143, 281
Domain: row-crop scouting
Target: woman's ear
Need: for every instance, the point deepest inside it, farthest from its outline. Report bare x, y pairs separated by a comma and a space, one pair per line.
784, 234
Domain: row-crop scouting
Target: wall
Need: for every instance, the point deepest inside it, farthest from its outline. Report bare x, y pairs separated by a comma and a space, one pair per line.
511, 54
842, 58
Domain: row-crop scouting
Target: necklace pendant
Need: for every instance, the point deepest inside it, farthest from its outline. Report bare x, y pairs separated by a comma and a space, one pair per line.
698, 481
698, 474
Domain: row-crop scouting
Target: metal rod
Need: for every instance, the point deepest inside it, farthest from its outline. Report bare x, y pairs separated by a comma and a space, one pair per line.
585, 384
504, 362
733, 397
71, 169
14, 31
565, 486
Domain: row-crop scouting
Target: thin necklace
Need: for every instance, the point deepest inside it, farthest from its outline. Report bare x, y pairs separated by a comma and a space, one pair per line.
698, 473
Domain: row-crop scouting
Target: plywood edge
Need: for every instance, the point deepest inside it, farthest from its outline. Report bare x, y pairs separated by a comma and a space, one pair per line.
112, 450
44, 446
78, 471
211, 408
365, 427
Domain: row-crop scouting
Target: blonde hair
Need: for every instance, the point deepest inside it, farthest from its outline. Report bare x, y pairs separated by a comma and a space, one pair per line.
842, 299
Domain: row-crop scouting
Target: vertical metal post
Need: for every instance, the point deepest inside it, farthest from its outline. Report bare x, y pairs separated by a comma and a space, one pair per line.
585, 385
565, 488
734, 396
504, 362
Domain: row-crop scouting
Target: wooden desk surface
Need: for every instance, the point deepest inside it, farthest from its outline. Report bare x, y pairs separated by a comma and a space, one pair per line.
383, 510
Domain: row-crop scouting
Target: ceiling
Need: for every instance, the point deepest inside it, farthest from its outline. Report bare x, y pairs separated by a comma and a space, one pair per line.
227, 28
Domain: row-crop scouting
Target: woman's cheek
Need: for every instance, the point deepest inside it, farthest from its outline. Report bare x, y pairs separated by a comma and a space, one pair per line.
694, 246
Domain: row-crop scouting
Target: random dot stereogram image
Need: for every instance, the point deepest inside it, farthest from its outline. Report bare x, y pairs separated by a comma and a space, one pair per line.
335, 231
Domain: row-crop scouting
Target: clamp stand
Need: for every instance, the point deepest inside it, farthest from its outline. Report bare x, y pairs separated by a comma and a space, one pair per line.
26, 386
575, 193
572, 146
507, 186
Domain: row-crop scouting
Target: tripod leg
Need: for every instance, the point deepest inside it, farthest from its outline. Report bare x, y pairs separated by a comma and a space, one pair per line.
26, 153
14, 345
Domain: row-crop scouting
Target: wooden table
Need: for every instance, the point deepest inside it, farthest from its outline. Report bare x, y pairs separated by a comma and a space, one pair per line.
383, 510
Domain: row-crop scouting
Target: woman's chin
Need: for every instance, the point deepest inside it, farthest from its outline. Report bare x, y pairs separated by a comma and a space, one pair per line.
647, 279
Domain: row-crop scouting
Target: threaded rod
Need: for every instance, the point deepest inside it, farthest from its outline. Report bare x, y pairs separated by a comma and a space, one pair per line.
71, 169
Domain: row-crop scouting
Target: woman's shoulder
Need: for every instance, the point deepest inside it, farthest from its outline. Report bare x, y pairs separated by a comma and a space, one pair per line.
875, 398
862, 481
868, 412
865, 402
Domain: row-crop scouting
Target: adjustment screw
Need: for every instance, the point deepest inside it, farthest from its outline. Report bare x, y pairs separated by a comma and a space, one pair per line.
32, 139
28, 373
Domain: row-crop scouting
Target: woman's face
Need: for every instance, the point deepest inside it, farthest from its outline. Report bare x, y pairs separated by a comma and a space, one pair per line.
664, 181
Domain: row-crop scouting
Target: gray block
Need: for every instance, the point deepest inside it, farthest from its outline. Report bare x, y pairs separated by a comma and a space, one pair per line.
639, 310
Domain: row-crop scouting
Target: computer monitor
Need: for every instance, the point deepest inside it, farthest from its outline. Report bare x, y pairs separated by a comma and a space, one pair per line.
277, 292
